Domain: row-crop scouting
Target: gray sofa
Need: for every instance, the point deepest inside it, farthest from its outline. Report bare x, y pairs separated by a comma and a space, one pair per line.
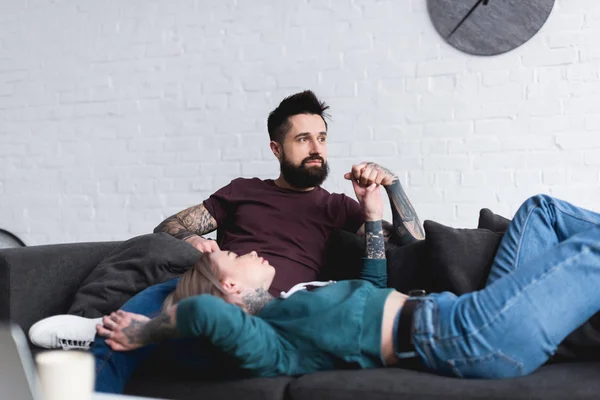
41, 281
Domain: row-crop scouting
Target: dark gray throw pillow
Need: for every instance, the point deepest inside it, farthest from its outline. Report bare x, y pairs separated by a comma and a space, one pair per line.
493, 222
133, 266
459, 259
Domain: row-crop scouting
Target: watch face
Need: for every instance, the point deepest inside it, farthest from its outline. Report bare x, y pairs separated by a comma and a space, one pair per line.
8, 240
488, 27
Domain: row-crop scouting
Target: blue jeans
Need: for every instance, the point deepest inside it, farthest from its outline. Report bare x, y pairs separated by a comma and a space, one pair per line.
113, 369
544, 284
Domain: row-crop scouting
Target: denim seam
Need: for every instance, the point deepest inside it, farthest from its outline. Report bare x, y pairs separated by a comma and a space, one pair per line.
513, 300
573, 216
104, 361
495, 353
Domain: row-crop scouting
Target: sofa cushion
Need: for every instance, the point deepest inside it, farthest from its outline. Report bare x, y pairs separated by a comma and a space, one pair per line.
133, 266
344, 261
459, 259
193, 385
559, 381
493, 222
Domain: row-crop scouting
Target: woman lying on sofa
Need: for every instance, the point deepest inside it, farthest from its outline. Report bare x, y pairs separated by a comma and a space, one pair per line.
543, 285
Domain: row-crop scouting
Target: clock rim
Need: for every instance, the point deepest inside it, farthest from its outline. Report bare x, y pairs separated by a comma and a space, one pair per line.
12, 236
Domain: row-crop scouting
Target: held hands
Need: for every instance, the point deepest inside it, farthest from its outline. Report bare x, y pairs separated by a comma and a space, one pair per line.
123, 330
203, 245
370, 200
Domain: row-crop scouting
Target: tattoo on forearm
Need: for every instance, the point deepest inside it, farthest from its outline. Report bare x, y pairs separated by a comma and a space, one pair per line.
154, 331
195, 220
375, 245
406, 222
255, 300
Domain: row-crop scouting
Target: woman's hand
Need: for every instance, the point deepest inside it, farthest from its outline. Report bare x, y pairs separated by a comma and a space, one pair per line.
370, 200
124, 331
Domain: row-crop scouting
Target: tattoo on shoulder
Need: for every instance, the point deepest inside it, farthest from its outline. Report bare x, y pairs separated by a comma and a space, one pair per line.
195, 220
375, 244
255, 300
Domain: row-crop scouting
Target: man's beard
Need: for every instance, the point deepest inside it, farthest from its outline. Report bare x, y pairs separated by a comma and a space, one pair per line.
304, 177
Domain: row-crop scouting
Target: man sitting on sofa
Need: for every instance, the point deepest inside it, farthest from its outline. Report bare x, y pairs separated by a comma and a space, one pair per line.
301, 215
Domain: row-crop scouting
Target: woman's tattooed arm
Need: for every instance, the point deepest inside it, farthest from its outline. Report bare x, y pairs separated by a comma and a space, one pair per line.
155, 330
375, 245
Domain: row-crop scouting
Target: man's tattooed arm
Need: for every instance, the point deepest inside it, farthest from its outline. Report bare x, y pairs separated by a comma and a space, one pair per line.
156, 330
407, 226
195, 220
375, 245
255, 300
406, 222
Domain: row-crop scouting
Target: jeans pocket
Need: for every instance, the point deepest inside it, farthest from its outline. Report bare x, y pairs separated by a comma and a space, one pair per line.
493, 365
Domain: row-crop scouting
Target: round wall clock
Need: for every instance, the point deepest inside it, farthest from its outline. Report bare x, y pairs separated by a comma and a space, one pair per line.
488, 27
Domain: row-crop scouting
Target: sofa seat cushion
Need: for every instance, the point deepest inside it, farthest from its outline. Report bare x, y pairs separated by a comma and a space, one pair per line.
194, 388
556, 381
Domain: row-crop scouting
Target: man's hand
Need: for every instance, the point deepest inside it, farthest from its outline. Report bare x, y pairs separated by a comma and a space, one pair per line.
124, 331
367, 173
203, 245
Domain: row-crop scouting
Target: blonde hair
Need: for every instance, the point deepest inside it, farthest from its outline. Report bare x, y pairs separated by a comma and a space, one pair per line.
203, 278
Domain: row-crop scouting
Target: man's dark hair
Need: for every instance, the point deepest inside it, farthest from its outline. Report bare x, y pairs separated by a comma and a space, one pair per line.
300, 103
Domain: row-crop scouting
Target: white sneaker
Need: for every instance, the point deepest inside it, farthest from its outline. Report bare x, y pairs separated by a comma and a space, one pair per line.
64, 331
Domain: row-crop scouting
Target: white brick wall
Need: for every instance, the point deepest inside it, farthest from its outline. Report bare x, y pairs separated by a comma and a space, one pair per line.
116, 114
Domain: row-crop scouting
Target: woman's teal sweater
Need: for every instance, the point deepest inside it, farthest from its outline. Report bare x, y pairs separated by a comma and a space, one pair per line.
332, 327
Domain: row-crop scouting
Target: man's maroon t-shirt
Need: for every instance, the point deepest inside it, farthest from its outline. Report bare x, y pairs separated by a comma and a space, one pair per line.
288, 228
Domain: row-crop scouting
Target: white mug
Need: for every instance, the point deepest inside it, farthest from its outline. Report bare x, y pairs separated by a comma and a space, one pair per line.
66, 375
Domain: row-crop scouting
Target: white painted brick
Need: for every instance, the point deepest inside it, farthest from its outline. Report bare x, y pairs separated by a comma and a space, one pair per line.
554, 177
481, 110
550, 57
495, 78
434, 147
418, 85
420, 178
472, 179
548, 90
474, 145
445, 67
578, 140
447, 179
592, 157
524, 142
577, 194
582, 105
408, 148
517, 195
104, 128
567, 21
372, 149
443, 84
257, 168
436, 162
469, 195
559, 123
528, 178
448, 129
548, 159
499, 161
584, 175
592, 122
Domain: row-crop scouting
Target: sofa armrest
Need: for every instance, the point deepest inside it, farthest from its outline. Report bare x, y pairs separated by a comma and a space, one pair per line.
40, 281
